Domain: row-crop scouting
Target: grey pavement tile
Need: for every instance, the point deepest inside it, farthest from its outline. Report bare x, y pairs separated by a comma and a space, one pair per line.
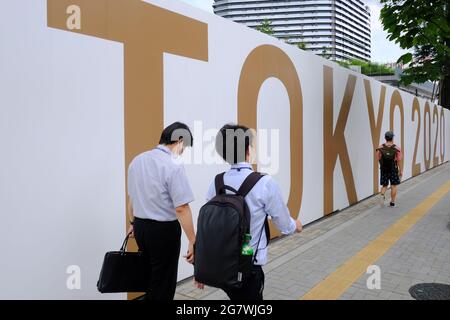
297, 263
346, 296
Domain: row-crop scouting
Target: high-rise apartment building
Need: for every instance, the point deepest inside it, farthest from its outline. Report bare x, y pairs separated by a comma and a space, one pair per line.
338, 29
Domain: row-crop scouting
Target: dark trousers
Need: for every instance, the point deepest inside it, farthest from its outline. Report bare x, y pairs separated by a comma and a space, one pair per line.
252, 288
160, 242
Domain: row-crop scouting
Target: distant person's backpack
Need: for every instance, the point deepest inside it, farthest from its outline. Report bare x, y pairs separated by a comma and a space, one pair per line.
387, 161
222, 225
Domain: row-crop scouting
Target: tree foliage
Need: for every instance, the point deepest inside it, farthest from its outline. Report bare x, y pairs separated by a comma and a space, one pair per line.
266, 27
326, 53
302, 45
422, 26
369, 68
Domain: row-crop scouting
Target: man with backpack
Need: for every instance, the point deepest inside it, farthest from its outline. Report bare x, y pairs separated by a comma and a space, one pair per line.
390, 157
232, 228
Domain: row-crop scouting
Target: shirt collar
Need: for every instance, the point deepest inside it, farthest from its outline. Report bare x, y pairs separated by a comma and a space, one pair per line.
164, 149
241, 165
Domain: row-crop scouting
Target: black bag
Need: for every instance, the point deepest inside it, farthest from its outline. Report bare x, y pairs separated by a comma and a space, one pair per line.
221, 227
387, 161
123, 271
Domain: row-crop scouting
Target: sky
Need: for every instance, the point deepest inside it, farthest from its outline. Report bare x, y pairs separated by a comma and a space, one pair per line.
383, 50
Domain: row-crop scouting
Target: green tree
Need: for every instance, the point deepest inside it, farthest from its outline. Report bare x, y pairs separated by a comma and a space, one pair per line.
301, 45
326, 53
422, 26
266, 27
368, 68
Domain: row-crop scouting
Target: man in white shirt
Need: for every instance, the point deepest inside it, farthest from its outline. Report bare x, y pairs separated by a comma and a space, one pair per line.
234, 144
159, 197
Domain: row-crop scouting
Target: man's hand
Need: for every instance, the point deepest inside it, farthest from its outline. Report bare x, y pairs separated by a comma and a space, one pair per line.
199, 285
299, 226
190, 254
131, 231
184, 216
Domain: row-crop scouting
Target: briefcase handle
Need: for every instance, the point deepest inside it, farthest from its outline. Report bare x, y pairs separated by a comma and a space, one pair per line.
124, 244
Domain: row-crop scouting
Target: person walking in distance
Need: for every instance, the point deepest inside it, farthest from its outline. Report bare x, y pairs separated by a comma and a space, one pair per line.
390, 158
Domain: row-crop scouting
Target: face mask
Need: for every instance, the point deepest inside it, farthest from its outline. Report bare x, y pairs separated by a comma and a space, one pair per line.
179, 149
252, 155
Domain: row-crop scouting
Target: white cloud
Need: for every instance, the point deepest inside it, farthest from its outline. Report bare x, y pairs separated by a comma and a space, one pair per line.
375, 17
383, 50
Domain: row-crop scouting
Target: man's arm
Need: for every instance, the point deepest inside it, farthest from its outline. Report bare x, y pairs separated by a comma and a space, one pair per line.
130, 188
378, 153
400, 166
181, 194
130, 210
277, 209
399, 157
131, 216
184, 216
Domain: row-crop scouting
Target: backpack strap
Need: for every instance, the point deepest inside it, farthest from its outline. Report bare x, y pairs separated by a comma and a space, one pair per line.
249, 183
266, 228
221, 186
219, 183
245, 188
386, 146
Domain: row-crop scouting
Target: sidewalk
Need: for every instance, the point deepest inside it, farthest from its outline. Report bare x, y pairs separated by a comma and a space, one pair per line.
326, 256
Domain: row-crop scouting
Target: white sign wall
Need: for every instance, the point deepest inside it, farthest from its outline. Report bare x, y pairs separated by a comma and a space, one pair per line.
70, 101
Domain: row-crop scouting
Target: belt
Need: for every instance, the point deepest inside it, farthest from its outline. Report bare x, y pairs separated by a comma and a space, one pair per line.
153, 221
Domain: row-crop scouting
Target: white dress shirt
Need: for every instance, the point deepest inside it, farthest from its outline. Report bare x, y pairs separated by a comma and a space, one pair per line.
264, 199
157, 185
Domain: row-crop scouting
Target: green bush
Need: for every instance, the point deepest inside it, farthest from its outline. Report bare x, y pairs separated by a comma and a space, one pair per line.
368, 68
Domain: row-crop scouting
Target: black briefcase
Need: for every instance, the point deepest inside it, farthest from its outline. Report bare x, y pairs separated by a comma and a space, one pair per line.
123, 271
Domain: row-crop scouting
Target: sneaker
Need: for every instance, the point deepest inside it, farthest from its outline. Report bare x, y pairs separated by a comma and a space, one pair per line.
382, 200
391, 204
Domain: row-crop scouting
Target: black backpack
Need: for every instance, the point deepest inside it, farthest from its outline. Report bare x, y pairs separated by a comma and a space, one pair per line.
221, 227
387, 161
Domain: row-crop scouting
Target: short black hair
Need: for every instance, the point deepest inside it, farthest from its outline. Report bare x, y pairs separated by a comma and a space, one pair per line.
389, 135
175, 132
233, 142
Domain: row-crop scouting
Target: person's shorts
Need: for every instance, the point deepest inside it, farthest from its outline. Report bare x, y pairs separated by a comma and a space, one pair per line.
389, 177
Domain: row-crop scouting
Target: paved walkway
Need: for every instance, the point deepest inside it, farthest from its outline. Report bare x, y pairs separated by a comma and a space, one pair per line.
409, 243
